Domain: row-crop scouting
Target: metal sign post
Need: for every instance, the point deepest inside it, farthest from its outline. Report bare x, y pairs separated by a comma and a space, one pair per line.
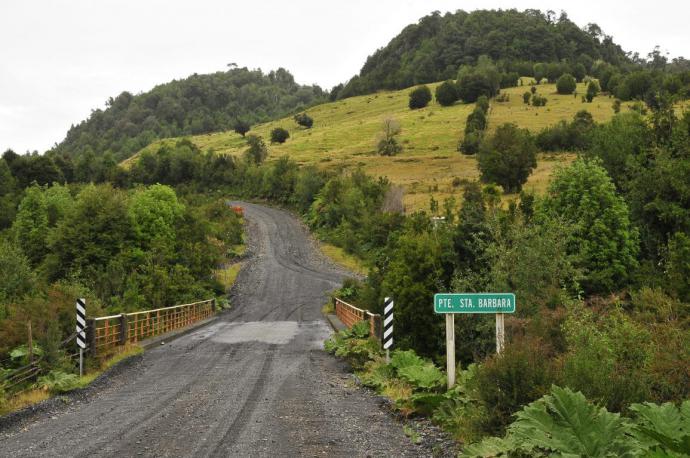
81, 332
388, 326
449, 304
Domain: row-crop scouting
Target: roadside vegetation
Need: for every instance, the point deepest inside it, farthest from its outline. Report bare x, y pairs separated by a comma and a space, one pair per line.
578, 202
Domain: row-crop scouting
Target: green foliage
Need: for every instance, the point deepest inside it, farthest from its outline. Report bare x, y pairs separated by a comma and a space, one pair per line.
539, 100
562, 423
508, 157
506, 382
388, 143
31, 224
607, 359
420, 97
447, 93
420, 263
526, 96
663, 428
58, 382
279, 135
476, 120
241, 126
20, 354
531, 260
153, 213
194, 105
567, 136
434, 47
592, 91
16, 277
354, 345
618, 143
483, 104
604, 243
566, 84
304, 120
257, 151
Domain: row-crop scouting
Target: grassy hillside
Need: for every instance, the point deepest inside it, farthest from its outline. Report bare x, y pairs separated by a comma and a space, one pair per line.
345, 134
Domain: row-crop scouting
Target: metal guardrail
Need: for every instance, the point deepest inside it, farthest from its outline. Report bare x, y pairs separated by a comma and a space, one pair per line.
107, 332
349, 315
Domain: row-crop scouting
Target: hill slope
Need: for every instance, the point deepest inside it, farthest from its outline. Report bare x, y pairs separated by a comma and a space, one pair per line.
345, 133
194, 105
437, 45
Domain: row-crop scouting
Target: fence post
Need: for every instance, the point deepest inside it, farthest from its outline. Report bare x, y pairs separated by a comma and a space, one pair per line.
91, 335
124, 324
376, 327
213, 305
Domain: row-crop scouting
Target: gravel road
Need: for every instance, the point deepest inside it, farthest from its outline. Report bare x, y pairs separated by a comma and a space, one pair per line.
255, 382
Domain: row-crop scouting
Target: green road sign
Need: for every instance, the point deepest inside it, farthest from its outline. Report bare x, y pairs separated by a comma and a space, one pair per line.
474, 303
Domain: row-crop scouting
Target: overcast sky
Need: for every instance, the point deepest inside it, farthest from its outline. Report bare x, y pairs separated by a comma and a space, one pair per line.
61, 59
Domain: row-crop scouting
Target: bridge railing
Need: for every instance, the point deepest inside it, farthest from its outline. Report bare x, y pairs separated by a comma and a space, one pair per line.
348, 314
107, 332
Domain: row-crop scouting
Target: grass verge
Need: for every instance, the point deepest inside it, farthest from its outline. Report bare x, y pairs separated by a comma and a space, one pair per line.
340, 257
35, 395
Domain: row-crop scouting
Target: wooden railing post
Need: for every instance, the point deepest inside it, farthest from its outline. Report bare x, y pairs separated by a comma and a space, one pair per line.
213, 305
91, 335
123, 329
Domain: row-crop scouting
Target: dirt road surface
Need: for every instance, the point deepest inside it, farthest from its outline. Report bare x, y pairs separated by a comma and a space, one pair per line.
255, 382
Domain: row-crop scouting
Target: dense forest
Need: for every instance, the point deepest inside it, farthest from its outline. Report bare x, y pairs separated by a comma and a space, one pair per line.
434, 49
194, 105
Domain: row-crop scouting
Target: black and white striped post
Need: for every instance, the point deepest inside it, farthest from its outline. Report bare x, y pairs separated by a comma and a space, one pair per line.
81, 332
388, 326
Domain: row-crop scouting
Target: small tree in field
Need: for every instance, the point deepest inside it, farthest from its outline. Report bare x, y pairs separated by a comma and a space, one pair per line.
257, 151
388, 143
592, 91
241, 127
447, 93
279, 135
420, 97
304, 120
566, 84
508, 157
526, 97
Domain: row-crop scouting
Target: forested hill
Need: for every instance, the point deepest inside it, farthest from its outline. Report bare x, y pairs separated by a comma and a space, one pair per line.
433, 49
194, 105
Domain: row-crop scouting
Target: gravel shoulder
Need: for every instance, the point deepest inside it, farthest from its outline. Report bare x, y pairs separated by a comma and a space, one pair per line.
254, 382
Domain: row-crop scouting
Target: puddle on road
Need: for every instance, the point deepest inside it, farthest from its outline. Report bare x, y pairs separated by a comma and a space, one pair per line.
270, 332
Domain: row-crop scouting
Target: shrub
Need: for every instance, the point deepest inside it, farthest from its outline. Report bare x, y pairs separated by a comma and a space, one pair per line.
470, 142
605, 243
304, 120
388, 143
279, 135
538, 100
592, 91
420, 97
616, 106
526, 97
508, 157
58, 382
533, 90
566, 84
483, 103
257, 151
447, 93
506, 382
562, 423
241, 127
607, 357
476, 120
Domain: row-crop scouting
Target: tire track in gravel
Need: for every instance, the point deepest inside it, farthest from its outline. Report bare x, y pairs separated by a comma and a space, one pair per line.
247, 409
